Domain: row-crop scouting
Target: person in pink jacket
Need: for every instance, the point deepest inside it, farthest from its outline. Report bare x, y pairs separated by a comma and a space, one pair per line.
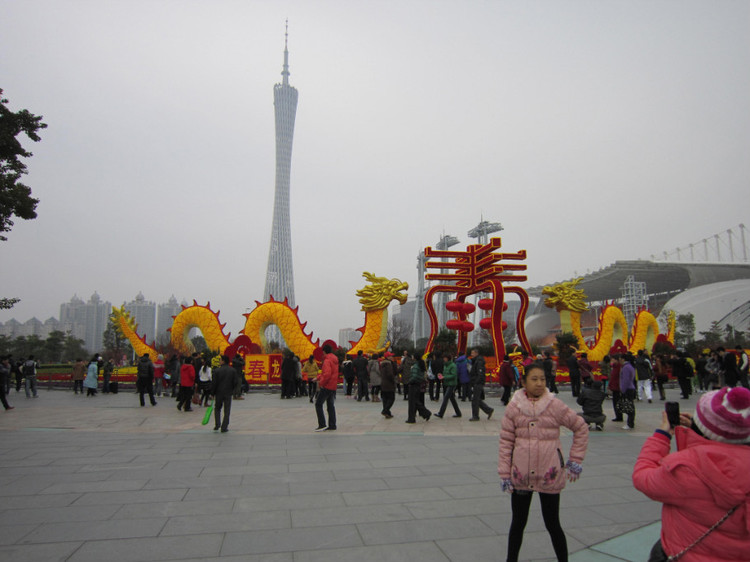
705, 484
531, 458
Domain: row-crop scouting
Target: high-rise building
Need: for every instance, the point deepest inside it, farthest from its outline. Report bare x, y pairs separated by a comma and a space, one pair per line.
144, 313
280, 275
167, 312
86, 321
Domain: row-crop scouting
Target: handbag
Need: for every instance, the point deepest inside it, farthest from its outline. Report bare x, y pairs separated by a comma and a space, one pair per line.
625, 405
207, 415
196, 399
658, 554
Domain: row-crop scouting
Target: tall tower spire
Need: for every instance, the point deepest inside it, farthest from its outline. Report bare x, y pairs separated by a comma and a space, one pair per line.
280, 274
285, 71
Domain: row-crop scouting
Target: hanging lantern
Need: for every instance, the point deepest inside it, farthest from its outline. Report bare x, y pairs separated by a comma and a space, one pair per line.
485, 304
486, 323
454, 324
454, 306
467, 326
468, 308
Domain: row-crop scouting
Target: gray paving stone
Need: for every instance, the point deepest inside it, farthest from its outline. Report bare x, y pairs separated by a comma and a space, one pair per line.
95, 530
421, 530
394, 496
93, 486
321, 517
304, 501
50, 552
136, 496
57, 514
147, 549
174, 509
314, 538
227, 522
385, 553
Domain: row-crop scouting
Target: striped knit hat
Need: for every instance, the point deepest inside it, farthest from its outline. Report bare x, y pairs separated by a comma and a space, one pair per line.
724, 415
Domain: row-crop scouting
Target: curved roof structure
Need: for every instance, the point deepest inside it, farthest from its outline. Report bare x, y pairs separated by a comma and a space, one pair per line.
660, 277
723, 302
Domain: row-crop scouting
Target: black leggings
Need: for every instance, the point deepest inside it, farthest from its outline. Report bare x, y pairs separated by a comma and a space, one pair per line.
520, 503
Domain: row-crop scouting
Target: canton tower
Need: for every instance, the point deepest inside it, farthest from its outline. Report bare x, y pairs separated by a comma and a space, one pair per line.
280, 275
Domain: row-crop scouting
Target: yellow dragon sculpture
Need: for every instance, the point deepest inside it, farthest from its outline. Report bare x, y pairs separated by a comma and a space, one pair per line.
569, 301
374, 298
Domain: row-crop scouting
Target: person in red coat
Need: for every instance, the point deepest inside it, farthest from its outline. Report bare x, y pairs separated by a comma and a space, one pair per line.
705, 484
328, 381
187, 382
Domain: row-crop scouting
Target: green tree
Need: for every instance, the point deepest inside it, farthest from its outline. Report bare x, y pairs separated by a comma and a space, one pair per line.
685, 330
73, 348
567, 343
15, 197
445, 342
6, 303
54, 346
199, 344
114, 343
714, 336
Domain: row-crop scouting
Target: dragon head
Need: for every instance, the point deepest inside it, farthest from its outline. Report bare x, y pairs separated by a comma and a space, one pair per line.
381, 292
565, 296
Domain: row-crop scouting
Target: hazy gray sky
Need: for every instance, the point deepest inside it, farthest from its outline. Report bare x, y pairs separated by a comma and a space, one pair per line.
592, 130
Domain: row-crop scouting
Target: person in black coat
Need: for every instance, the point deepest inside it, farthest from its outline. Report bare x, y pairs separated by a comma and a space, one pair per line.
222, 387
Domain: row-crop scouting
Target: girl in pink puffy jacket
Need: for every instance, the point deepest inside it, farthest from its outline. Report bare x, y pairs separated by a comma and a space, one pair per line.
531, 458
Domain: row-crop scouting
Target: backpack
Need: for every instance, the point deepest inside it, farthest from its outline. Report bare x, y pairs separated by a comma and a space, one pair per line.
29, 369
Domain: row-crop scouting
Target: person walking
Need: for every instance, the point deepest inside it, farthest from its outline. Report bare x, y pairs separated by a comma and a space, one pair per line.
29, 374
360, 369
92, 377
159, 369
614, 387
416, 382
5, 374
530, 458
187, 382
644, 373
626, 402
477, 377
704, 485
387, 385
328, 380
550, 372
107, 370
223, 383
144, 381
205, 376
464, 384
79, 373
450, 382
574, 370
404, 371
373, 375
508, 379
310, 372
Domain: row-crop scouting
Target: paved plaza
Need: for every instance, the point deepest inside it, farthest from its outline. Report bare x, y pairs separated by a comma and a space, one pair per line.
93, 479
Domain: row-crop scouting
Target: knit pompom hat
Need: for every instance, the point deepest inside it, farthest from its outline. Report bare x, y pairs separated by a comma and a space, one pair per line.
724, 415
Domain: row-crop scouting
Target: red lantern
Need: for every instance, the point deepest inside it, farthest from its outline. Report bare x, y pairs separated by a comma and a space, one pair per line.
504, 325
485, 304
505, 306
453, 324
454, 306
486, 323
468, 308
467, 326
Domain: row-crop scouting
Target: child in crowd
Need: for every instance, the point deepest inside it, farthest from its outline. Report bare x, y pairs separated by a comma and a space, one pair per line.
531, 458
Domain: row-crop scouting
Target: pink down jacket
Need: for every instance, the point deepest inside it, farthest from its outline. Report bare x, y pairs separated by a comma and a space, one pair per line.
698, 484
530, 451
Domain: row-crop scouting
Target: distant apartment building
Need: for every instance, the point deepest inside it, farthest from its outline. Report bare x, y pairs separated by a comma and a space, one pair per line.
347, 335
167, 312
144, 314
